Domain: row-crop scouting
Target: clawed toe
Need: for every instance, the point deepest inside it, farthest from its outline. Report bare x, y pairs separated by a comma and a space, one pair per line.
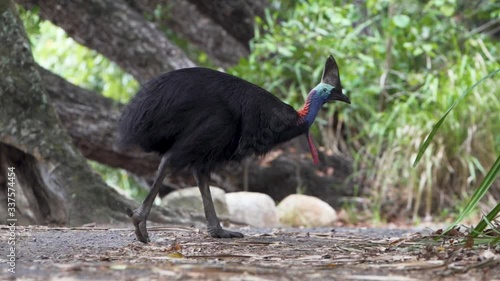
222, 233
141, 232
234, 234
139, 221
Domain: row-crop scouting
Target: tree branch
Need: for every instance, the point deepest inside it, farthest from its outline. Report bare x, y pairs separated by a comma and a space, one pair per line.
185, 19
91, 122
112, 28
235, 16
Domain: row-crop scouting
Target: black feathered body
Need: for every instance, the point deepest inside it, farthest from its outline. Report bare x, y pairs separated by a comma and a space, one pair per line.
203, 118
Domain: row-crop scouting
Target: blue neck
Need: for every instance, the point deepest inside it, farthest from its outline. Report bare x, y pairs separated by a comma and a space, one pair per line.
311, 108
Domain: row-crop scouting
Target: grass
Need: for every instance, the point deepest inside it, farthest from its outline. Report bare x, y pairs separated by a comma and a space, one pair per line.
484, 186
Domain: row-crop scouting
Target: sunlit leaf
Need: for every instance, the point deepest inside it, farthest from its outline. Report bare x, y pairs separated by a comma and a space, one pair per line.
401, 20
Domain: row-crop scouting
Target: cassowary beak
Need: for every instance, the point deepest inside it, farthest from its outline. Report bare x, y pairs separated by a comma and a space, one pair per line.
337, 95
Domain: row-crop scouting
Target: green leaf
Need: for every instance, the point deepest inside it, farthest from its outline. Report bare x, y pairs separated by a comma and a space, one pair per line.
401, 21
447, 10
478, 194
487, 182
428, 140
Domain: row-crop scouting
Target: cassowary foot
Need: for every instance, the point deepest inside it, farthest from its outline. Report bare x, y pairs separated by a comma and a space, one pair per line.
139, 218
222, 233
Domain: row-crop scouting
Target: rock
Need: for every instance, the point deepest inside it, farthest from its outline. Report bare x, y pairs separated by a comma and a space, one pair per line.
189, 200
303, 210
252, 208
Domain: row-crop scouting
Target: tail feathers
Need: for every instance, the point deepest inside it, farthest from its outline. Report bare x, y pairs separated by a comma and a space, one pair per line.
126, 137
124, 142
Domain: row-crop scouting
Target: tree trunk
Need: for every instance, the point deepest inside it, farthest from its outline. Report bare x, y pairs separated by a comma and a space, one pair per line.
112, 28
53, 183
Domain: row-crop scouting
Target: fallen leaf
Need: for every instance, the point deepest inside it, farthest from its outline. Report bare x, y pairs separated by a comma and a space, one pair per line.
469, 242
175, 255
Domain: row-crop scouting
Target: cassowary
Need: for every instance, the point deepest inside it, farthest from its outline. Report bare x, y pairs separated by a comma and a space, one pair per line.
199, 118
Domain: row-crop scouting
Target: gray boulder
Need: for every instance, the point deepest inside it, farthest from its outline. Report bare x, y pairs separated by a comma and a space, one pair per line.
188, 200
252, 208
303, 210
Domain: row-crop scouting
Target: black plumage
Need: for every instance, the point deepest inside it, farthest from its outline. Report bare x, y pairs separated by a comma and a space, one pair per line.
205, 118
199, 118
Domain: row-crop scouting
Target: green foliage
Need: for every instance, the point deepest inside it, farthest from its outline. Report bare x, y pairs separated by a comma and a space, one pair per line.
120, 180
488, 179
428, 140
402, 64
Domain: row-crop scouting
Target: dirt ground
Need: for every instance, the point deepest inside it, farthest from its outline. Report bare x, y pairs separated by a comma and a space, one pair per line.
188, 253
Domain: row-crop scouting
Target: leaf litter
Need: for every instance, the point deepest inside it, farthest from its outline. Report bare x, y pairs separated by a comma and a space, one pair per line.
186, 253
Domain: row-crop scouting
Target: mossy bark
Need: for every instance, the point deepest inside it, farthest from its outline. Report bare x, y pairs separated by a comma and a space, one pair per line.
53, 183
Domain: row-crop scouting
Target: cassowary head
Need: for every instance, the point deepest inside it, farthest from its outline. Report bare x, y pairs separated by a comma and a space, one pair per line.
330, 88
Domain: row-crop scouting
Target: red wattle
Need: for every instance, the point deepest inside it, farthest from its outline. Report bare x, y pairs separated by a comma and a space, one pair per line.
312, 148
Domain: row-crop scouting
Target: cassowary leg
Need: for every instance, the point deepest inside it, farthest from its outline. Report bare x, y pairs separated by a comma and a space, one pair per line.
214, 227
140, 215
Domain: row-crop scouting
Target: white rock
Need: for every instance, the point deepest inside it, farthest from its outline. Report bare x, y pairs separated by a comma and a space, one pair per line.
252, 208
189, 200
303, 210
